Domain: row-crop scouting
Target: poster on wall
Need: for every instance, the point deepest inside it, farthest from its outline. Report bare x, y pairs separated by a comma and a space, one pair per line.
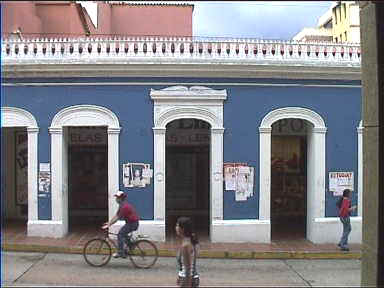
239, 177
137, 174
338, 181
44, 178
21, 151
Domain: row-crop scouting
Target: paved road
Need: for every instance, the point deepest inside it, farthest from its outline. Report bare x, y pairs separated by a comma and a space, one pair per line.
40, 269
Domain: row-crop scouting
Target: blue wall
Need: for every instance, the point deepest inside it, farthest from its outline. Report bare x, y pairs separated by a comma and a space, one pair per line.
244, 110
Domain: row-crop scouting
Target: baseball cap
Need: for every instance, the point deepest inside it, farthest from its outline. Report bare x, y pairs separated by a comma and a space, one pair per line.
120, 194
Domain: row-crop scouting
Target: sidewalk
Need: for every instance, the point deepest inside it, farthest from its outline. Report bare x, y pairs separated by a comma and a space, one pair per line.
14, 238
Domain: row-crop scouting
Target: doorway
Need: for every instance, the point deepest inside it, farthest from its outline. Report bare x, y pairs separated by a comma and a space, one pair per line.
14, 175
289, 179
87, 176
187, 185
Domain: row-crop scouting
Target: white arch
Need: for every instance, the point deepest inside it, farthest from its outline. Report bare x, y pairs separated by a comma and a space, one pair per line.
79, 115
315, 170
85, 115
184, 113
292, 112
179, 102
17, 117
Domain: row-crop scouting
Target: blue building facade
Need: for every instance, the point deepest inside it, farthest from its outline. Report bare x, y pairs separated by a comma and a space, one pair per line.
251, 114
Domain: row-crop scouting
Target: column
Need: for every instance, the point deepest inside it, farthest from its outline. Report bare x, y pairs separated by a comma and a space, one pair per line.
159, 174
113, 169
318, 164
265, 174
217, 202
32, 173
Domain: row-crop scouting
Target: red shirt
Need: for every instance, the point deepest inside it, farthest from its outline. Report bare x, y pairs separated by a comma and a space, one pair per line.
127, 212
344, 209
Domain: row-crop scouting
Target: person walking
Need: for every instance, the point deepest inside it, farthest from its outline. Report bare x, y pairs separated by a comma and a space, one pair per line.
345, 209
187, 254
125, 212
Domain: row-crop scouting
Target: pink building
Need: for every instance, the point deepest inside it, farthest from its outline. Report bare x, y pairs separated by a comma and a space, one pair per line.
98, 18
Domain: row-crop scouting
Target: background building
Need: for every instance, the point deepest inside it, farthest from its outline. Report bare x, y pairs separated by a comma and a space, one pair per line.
322, 33
346, 22
99, 18
341, 23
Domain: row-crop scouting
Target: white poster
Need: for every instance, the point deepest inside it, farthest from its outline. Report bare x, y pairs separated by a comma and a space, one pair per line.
229, 177
44, 181
338, 181
238, 177
137, 174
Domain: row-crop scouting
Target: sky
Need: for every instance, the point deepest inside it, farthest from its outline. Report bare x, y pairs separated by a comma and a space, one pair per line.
256, 19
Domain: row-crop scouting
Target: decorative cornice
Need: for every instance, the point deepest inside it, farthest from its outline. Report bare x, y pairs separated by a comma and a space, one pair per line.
319, 130
55, 130
159, 130
182, 93
265, 130
32, 130
217, 130
113, 130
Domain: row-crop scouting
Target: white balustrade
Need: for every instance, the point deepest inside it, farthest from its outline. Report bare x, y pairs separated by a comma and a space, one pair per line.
178, 49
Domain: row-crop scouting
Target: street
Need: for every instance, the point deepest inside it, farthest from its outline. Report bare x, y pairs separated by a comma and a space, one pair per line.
42, 269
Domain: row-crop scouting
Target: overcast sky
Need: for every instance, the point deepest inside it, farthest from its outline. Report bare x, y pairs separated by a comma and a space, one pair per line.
256, 19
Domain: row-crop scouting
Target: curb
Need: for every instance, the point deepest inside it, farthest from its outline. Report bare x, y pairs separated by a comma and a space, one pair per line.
203, 253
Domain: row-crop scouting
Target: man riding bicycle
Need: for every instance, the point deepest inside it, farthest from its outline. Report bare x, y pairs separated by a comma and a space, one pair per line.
125, 212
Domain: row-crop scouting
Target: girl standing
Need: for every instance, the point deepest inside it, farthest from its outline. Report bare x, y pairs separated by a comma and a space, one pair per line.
344, 214
187, 254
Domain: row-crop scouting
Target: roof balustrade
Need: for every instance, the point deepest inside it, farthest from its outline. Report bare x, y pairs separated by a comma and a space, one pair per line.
182, 50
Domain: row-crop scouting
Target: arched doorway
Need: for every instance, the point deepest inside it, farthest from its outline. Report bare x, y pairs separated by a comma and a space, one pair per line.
19, 167
289, 179
187, 174
202, 103
87, 176
67, 132
315, 168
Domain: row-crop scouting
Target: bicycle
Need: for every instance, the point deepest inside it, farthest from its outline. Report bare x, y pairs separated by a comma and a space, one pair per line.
142, 252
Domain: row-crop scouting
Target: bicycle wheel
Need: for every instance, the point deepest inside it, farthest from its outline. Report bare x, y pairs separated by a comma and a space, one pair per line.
97, 252
143, 254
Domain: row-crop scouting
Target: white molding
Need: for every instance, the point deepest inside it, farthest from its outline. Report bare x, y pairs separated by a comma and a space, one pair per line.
17, 117
14, 83
315, 163
199, 103
80, 115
